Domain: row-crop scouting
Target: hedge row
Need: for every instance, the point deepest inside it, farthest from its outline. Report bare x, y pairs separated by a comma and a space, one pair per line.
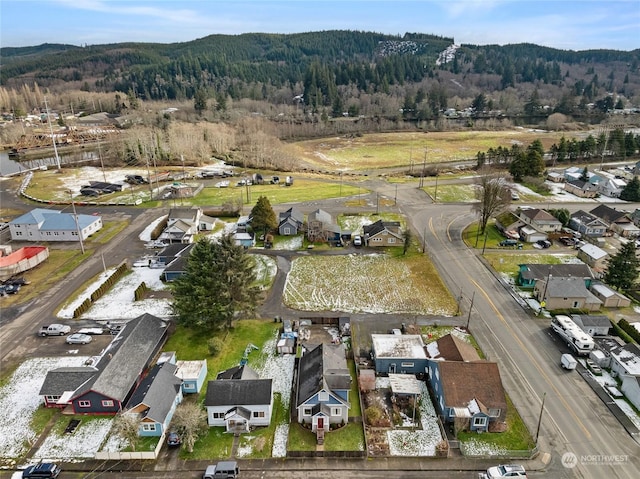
621, 332
138, 294
630, 330
102, 289
157, 231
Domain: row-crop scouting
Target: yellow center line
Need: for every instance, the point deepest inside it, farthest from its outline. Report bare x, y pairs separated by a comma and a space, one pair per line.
532, 360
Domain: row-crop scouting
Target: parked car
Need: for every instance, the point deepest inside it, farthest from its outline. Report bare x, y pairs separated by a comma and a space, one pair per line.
173, 439
79, 338
47, 470
90, 331
506, 470
357, 241
544, 244
154, 244
9, 288
567, 240
222, 470
508, 242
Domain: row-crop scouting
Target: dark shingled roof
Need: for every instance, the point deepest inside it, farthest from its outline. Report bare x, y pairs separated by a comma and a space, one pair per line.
60, 380
324, 367
238, 392
155, 395
607, 213
238, 372
379, 226
464, 381
452, 348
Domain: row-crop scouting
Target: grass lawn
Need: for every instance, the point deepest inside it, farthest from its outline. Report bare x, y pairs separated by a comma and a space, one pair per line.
259, 443
216, 444
301, 439
515, 438
347, 438
508, 262
452, 193
354, 394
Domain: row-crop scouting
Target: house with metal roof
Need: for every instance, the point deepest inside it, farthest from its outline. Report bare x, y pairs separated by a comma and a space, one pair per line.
322, 392
53, 225
593, 256
155, 400
399, 353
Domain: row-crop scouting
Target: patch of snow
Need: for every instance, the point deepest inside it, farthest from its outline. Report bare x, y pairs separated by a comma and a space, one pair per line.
19, 400
290, 244
476, 447
119, 301
280, 441
83, 443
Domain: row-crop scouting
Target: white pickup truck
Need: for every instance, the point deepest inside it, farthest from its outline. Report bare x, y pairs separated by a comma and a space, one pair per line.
54, 330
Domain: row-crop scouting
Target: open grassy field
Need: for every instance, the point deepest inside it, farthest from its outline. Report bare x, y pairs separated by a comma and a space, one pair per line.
385, 150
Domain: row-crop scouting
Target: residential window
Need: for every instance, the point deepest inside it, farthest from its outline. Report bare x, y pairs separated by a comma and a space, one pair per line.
189, 386
52, 398
407, 365
217, 415
306, 411
575, 304
84, 403
323, 396
148, 427
258, 413
494, 412
336, 411
391, 240
376, 240
479, 421
286, 231
107, 403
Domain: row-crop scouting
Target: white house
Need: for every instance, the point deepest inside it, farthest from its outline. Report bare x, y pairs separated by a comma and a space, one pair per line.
625, 360
631, 389
239, 404
52, 225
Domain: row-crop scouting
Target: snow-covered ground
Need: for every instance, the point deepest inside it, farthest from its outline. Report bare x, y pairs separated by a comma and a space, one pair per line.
19, 400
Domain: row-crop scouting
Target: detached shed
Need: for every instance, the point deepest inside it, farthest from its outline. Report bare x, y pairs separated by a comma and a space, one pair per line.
367, 380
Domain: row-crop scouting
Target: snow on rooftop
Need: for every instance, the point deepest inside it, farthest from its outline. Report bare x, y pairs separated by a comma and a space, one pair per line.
398, 346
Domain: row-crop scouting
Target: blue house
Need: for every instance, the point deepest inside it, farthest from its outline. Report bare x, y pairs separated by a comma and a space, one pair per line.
529, 274
323, 388
193, 375
468, 394
399, 353
155, 400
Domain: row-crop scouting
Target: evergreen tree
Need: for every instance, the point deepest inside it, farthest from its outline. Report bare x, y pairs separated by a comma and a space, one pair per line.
217, 285
631, 192
562, 215
623, 268
263, 218
200, 101
585, 175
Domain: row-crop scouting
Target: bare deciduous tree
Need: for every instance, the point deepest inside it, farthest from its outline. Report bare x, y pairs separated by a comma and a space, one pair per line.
127, 426
492, 197
191, 422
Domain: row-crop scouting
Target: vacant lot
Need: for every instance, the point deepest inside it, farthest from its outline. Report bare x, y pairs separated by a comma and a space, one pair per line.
373, 283
383, 150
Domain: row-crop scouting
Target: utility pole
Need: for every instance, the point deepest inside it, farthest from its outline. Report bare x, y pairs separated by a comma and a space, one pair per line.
395, 198
377, 204
424, 240
540, 417
473, 296
73, 205
435, 194
484, 246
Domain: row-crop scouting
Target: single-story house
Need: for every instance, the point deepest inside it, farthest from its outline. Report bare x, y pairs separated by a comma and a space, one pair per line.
322, 392
555, 177
609, 297
246, 240
509, 224
593, 325
565, 293
582, 189
177, 267
52, 225
587, 224
155, 400
609, 215
206, 223
239, 404
529, 274
540, 220
625, 360
383, 233
399, 353
612, 187
290, 222
593, 256
192, 374
451, 348
107, 382
468, 395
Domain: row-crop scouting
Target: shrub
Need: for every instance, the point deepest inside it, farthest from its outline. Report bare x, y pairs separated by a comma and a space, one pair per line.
215, 345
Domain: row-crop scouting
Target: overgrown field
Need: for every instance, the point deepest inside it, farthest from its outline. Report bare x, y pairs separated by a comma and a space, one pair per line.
384, 150
374, 283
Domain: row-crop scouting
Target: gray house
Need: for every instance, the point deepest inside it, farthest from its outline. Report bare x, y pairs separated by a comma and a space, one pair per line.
399, 353
587, 224
593, 325
290, 222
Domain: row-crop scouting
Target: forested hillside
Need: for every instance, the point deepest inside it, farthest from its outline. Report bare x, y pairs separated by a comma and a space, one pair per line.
341, 73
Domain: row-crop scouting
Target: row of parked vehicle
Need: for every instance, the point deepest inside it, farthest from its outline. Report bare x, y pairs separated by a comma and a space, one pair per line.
12, 286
